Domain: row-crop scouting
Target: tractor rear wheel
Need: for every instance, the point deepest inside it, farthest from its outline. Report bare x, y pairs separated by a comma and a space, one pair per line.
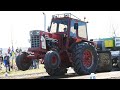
52, 64
105, 61
85, 58
118, 61
22, 63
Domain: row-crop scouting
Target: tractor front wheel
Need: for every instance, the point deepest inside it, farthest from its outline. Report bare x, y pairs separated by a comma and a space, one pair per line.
52, 64
22, 62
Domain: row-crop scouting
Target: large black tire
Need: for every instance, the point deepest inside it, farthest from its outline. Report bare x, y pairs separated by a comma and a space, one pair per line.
53, 69
118, 61
105, 62
85, 58
22, 63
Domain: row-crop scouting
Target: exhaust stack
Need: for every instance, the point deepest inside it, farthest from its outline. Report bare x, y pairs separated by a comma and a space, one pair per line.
44, 21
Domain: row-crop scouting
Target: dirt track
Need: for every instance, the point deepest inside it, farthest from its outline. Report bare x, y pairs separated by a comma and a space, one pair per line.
69, 75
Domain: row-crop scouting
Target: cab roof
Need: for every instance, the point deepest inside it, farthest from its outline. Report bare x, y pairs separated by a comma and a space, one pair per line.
66, 15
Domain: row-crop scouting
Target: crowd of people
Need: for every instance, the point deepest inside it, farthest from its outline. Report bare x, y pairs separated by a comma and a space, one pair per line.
7, 57
11, 55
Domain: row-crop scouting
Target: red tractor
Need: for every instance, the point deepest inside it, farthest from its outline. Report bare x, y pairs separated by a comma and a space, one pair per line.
64, 45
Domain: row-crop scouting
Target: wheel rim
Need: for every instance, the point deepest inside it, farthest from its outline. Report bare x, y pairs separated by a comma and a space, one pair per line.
54, 60
87, 58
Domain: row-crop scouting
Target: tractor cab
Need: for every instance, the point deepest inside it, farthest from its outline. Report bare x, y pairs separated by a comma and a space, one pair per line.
70, 26
68, 23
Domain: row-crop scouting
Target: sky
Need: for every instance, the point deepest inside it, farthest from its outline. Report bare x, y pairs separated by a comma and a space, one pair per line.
16, 25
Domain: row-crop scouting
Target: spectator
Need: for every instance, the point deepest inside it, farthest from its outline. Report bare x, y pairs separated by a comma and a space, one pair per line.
34, 64
1, 61
7, 62
9, 50
20, 50
0, 51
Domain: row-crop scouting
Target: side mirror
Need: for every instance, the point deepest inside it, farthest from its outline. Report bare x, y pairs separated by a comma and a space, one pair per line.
48, 29
76, 26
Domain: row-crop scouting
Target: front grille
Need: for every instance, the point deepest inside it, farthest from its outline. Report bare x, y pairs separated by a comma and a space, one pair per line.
35, 41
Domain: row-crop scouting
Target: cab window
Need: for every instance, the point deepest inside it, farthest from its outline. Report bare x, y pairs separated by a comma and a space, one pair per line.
82, 30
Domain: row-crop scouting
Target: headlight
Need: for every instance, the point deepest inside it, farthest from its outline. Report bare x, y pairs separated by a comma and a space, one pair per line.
38, 32
35, 32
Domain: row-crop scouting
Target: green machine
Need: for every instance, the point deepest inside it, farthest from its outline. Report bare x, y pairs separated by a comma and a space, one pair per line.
105, 48
108, 44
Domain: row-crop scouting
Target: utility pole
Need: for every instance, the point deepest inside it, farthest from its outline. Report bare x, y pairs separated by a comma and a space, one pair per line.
44, 21
12, 47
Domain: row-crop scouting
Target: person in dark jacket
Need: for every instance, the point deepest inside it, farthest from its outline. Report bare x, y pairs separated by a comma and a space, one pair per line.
1, 61
7, 62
